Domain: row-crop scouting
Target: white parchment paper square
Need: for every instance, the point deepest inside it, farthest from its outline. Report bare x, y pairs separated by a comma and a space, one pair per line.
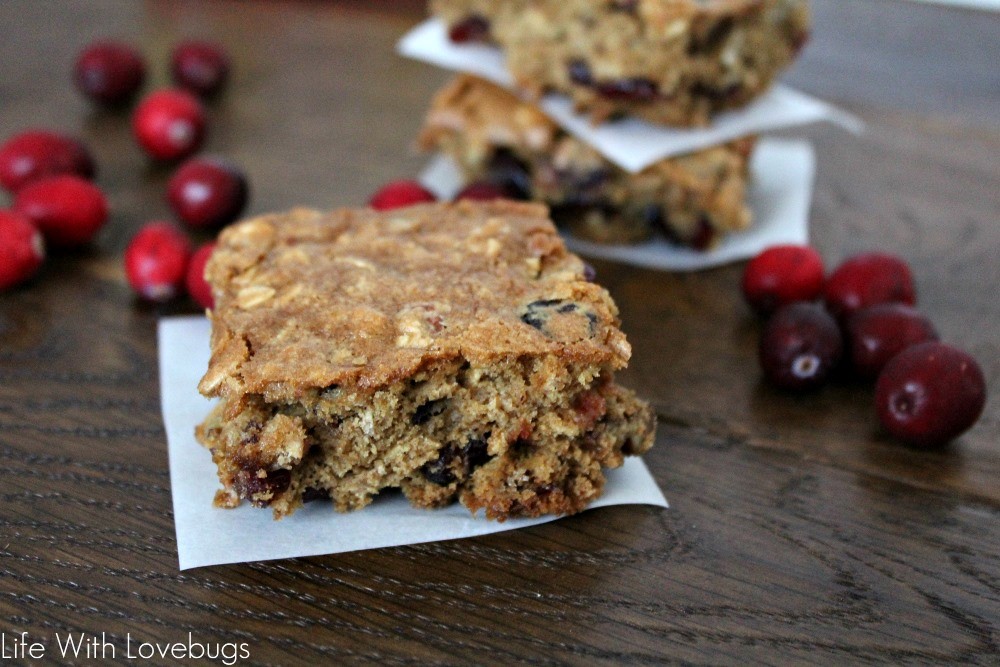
782, 173
632, 144
207, 535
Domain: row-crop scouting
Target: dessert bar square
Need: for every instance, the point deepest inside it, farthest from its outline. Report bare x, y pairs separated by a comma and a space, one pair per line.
675, 62
453, 351
493, 135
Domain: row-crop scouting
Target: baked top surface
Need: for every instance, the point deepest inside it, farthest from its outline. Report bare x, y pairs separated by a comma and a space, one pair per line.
307, 299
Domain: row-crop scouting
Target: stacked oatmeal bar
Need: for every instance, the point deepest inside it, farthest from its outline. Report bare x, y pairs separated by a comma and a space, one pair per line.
670, 62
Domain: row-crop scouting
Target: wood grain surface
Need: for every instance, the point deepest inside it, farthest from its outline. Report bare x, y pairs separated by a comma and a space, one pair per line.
797, 533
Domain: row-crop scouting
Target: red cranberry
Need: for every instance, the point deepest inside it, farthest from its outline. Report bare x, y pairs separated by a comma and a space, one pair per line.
201, 67
800, 346
197, 286
207, 192
482, 191
930, 394
156, 261
473, 28
21, 249
880, 332
782, 274
68, 210
868, 279
169, 124
400, 193
35, 154
109, 72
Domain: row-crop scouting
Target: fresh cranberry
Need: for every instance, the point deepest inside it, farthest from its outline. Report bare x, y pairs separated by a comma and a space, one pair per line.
21, 249
109, 72
930, 394
68, 210
868, 279
473, 28
197, 286
782, 274
878, 333
400, 193
482, 191
201, 67
35, 154
169, 124
207, 192
156, 261
800, 346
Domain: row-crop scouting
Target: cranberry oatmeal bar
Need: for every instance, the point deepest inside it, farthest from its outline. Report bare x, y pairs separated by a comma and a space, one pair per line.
675, 62
455, 351
493, 135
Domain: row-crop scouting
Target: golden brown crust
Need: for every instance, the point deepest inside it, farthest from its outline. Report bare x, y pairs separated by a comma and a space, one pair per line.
311, 300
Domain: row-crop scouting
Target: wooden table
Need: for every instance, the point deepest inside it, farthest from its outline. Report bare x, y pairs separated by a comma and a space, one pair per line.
797, 533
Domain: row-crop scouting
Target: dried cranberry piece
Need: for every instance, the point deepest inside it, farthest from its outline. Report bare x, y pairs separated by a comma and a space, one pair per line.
251, 486
439, 470
630, 89
475, 453
473, 28
703, 236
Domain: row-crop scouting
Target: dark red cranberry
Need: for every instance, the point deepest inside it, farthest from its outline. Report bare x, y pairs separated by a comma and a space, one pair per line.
868, 279
156, 261
201, 67
482, 191
195, 282
703, 237
878, 333
929, 394
68, 210
109, 72
169, 124
800, 346
780, 275
21, 249
34, 154
631, 89
473, 28
440, 471
207, 192
400, 193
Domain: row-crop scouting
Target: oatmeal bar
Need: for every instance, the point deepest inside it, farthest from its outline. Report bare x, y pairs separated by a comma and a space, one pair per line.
675, 62
453, 351
495, 136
